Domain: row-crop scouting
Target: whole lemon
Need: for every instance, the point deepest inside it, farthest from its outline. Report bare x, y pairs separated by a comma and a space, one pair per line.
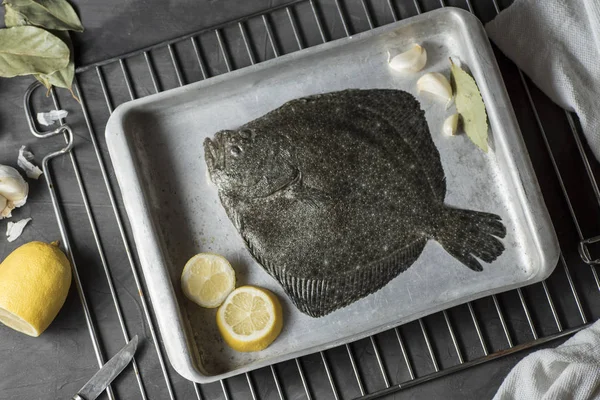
34, 283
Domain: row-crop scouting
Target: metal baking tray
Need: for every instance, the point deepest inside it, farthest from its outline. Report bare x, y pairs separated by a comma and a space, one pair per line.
155, 144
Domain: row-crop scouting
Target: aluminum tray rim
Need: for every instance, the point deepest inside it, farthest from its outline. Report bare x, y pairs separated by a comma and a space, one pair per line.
174, 327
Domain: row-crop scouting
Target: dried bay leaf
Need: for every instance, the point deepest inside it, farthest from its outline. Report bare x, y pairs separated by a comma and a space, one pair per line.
28, 50
50, 14
13, 18
469, 105
63, 77
43, 79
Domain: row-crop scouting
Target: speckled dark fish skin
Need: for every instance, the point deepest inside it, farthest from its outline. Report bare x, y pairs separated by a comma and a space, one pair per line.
336, 194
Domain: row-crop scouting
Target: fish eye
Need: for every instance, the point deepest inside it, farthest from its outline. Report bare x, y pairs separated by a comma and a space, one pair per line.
235, 151
246, 134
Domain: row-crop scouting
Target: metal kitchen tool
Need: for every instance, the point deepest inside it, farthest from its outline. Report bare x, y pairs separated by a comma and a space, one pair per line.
101, 379
155, 144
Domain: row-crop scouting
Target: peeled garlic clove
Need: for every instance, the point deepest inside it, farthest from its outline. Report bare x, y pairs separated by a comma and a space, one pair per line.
412, 60
437, 85
450, 125
13, 188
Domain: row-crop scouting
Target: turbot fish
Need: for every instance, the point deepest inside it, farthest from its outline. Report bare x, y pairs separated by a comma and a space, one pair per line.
336, 194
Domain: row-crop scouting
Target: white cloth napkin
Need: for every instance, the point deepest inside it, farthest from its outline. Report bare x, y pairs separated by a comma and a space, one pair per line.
557, 44
571, 371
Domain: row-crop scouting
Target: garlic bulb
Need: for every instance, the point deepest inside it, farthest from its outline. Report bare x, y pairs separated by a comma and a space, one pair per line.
13, 189
412, 60
450, 125
437, 85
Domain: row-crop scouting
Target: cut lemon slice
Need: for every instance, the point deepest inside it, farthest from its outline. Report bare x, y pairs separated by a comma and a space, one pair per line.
207, 279
250, 319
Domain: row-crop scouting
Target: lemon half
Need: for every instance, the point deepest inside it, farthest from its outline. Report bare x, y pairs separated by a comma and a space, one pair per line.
34, 283
250, 319
207, 279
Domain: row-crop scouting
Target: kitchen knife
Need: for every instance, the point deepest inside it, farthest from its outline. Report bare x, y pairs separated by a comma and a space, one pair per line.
108, 372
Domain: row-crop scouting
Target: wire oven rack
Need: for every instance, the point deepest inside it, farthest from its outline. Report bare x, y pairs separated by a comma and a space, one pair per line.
405, 356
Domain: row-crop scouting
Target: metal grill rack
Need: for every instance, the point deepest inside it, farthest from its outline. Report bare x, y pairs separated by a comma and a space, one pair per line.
405, 356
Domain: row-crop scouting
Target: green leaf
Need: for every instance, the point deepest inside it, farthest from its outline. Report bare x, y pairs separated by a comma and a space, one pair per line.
44, 81
13, 18
50, 14
61, 78
28, 50
469, 105
64, 77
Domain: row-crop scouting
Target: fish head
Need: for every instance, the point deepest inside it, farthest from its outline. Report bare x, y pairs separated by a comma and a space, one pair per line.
248, 163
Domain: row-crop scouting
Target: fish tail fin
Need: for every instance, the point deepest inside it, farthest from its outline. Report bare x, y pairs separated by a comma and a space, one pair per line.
468, 234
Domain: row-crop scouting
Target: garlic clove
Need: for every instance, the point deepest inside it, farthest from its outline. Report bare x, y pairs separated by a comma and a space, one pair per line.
14, 229
24, 162
437, 85
6, 212
450, 125
3, 203
12, 184
412, 60
13, 188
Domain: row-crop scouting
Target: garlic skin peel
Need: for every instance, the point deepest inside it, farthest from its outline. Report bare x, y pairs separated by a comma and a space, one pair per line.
412, 60
13, 189
437, 85
50, 117
24, 161
450, 125
14, 229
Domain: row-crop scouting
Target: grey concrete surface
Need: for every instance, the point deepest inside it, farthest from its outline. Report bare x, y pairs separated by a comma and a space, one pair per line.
55, 365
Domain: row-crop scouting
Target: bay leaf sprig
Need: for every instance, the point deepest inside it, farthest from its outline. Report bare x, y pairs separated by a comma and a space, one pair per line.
36, 41
26, 50
470, 106
63, 77
50, 14
13, 18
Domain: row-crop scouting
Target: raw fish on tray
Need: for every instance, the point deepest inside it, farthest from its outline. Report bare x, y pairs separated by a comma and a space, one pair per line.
336, 194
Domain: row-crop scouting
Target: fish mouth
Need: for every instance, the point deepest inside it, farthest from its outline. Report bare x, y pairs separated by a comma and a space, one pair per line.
214, 152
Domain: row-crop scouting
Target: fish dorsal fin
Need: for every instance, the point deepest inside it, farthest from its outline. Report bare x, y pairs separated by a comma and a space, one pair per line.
402, 111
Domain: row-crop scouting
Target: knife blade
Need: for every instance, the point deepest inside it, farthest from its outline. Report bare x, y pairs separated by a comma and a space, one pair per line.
109, 371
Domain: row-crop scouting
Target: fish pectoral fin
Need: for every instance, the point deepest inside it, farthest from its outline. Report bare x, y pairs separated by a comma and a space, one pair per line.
314, 198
